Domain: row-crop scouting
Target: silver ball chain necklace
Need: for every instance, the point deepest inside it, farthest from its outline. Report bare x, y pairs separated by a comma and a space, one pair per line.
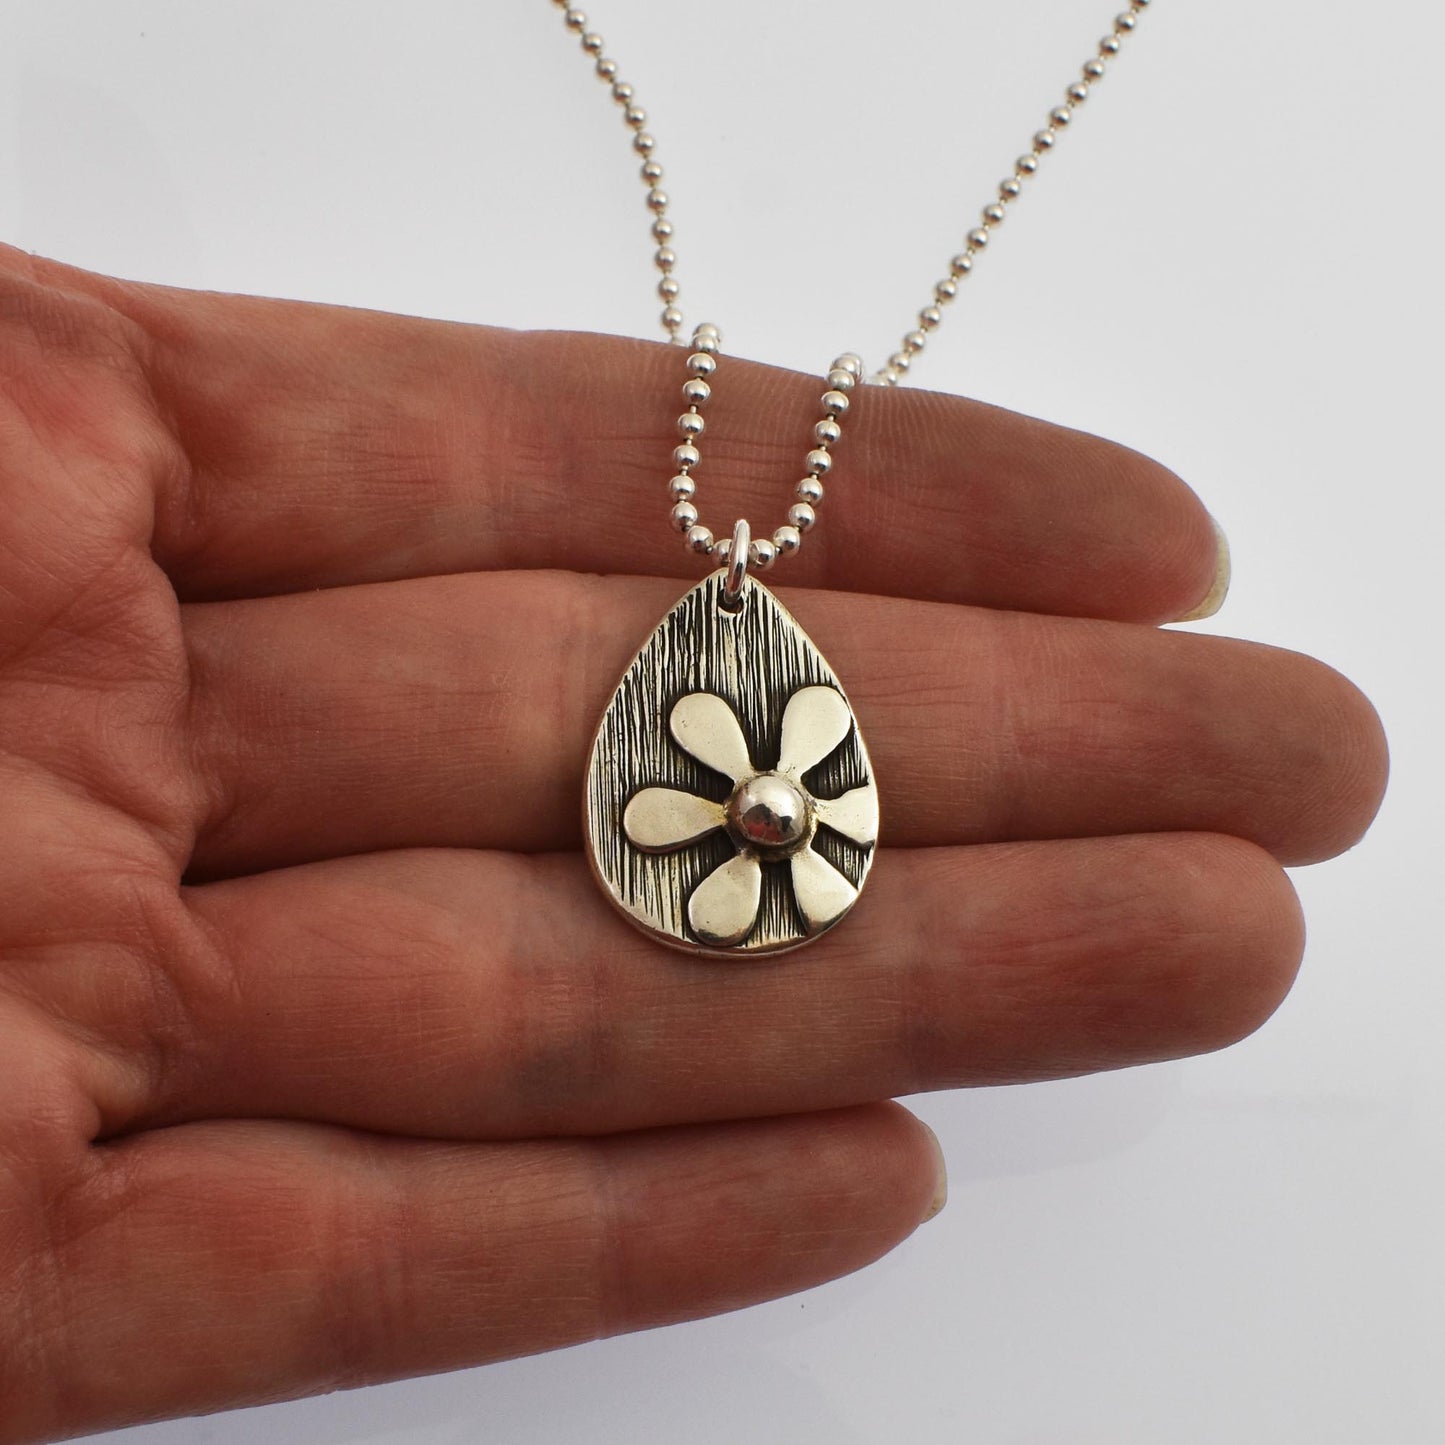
730, 808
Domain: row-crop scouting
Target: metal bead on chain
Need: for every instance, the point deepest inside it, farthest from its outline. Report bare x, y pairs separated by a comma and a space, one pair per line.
1009, 190
650, 171
845, 374
847, 371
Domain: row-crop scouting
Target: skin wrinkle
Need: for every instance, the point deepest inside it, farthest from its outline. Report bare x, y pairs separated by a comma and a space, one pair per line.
357, 1308
42, 1338
119, 510
73, 593
105, 1068
574, 1054
102, 963
216, 973
169, 959
35, 1302
613, 1297
217, 796
158, 799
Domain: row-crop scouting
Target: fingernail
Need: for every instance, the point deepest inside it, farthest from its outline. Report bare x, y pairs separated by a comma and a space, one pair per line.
940, 1189
1219, 588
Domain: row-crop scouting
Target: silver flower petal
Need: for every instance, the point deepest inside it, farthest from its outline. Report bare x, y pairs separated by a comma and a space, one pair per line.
815, 721
661, 819
704, 725
854, 814
724, 906
824, 895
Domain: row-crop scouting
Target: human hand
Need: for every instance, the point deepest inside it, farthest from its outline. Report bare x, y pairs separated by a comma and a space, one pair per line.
323, 1059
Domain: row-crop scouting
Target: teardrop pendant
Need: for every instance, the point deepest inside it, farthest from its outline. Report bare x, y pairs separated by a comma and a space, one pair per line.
730, 807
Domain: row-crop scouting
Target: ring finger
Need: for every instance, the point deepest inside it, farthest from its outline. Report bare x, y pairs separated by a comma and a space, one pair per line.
470, 995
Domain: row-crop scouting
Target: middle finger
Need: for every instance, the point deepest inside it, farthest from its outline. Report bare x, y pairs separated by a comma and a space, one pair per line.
456, 712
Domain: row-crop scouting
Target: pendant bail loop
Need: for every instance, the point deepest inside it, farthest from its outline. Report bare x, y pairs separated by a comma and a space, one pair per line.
732, 597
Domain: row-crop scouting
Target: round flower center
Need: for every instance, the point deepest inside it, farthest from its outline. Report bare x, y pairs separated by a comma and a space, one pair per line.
770, 814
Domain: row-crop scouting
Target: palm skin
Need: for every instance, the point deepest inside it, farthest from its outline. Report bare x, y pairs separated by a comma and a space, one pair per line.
323, 1061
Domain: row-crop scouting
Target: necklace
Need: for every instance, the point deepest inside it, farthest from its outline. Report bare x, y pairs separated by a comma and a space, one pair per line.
730, 808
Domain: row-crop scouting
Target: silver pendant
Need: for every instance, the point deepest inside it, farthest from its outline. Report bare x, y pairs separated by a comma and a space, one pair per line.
730, 806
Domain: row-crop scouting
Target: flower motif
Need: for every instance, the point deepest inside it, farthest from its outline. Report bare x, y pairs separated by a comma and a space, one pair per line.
769, 815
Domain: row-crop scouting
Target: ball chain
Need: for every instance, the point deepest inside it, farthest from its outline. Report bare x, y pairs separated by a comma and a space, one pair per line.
847, 371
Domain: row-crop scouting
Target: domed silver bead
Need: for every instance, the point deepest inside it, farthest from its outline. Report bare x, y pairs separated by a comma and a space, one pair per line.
761, 553
787, 540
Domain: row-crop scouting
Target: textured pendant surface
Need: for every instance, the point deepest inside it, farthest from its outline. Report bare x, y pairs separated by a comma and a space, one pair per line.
730, 806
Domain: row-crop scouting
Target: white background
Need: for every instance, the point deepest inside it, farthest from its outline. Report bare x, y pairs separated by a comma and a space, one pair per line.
1232, 261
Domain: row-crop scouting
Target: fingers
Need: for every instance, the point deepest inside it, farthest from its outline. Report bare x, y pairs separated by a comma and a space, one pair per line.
458, 712
329, 446
236, 1263
469, 995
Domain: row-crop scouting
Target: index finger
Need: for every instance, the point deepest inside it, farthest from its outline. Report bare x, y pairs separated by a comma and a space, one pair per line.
330, 446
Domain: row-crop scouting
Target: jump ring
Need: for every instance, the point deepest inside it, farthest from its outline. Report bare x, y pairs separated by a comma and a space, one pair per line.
732, 597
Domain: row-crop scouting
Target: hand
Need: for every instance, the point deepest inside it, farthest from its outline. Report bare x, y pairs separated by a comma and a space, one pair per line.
323, 1059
